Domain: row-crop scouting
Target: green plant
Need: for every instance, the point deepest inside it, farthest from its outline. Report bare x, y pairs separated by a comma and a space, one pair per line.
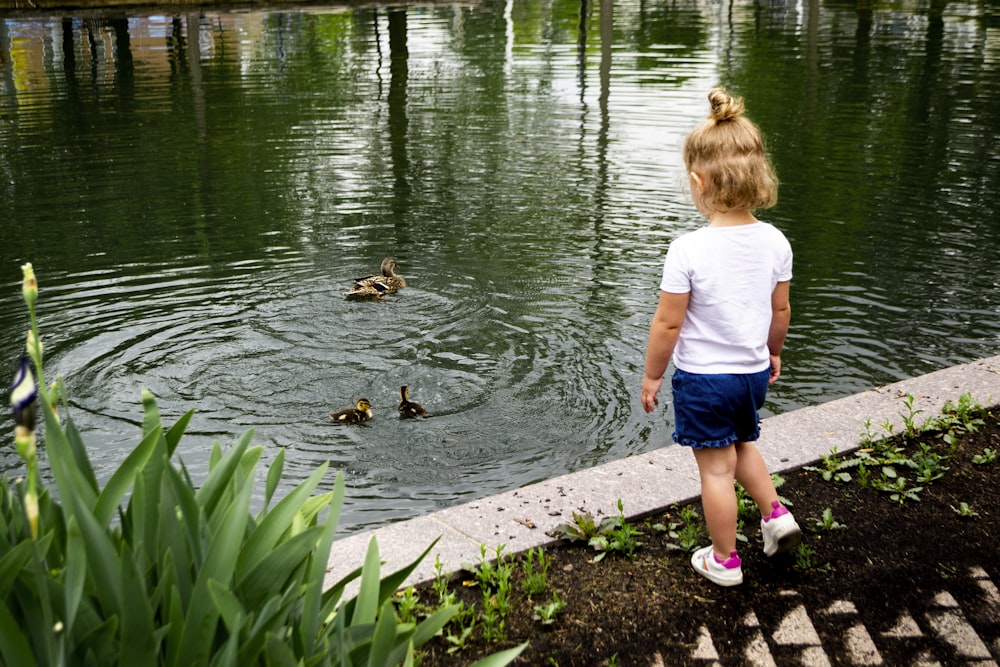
805, 558
688, 533
535, 569
834, 467
964, 509
177, 575
583, 528
987, 457
928, 464
827, 522
616, 534
612, 534
546, 614
895, 485
910, 427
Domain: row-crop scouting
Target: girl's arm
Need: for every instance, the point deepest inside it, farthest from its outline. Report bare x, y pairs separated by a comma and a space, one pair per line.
781, 315
663, 334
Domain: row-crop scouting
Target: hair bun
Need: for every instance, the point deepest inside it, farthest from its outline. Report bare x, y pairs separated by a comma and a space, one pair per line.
724, 106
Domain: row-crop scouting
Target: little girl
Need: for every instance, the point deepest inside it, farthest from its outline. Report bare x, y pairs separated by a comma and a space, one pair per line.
722, 316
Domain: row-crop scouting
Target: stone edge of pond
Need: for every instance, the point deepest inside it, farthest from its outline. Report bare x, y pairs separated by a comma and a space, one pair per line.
647, 483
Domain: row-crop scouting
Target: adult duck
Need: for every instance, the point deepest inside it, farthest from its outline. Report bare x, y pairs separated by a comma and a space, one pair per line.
378, 285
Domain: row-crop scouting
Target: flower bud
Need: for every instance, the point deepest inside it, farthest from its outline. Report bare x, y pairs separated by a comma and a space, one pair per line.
29, 288
22, 396
31, 510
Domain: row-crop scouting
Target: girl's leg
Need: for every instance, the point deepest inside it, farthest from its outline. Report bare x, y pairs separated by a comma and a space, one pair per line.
753, 475
717, 469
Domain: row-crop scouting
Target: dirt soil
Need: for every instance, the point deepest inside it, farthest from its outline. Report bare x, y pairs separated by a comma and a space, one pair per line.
888, 557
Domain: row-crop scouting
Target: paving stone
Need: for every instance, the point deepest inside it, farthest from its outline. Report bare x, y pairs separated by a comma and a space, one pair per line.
704, 648
860, 646
758, 653
796, 629
905, 627
951, 626
841, 608
814, 656
945, 600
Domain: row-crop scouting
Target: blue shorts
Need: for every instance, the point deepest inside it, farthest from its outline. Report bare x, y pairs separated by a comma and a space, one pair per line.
716, 410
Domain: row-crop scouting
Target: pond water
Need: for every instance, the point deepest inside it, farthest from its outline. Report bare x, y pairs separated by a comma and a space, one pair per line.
196, 192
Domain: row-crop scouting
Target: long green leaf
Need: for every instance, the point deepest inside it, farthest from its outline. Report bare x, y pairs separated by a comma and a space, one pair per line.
367, 601
70, 481
150, 412
219, 565
138, 626
104, 563
14, 645
80, 458
12, 563
502, 658
174, 433
386, 639
277, 522
221, 475
229, 606
277, 570
75, 573
274, 477
430, 626
311, 620
124, 476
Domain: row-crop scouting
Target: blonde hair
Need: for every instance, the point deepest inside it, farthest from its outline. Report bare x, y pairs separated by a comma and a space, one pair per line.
727, 151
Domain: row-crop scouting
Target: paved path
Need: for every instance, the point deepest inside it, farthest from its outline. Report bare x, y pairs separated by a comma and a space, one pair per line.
941, 633
650, 482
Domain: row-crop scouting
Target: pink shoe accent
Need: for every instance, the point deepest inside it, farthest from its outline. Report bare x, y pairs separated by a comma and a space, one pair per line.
731, 562
777, 509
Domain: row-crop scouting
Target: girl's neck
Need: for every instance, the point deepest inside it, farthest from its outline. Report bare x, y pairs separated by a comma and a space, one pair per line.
731, 218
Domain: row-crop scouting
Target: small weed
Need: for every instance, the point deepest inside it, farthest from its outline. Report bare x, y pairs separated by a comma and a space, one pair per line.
864, 476
688, 533
910, 418
895, 485
408, 605
583, 528
964, 509
928, 464
440, 585
535, 568
834, 468
546, 614
465, 623
827, 522
616, 534
987, 457
805, 559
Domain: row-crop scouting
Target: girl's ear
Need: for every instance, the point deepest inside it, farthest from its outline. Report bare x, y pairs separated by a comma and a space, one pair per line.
697, 180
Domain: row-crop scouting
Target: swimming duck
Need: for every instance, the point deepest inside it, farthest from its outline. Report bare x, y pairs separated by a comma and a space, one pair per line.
361, 412
378, 285
408, 408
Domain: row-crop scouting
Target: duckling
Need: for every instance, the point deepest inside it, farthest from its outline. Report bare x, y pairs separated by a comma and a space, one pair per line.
408, 408
378, 285
361, 412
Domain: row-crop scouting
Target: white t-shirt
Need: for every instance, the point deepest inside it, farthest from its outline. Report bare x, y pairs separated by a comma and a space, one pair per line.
730, 273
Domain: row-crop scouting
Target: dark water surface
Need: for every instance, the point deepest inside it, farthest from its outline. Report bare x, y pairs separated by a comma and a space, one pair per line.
196, 191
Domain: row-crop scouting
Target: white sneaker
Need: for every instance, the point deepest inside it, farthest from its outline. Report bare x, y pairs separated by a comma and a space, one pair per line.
726, 573
779, 530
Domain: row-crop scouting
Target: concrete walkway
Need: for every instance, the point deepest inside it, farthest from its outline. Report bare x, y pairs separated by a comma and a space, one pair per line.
647, 483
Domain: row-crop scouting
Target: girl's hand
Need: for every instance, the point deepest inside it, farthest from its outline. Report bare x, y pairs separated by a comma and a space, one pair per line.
650, 388
775, 369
